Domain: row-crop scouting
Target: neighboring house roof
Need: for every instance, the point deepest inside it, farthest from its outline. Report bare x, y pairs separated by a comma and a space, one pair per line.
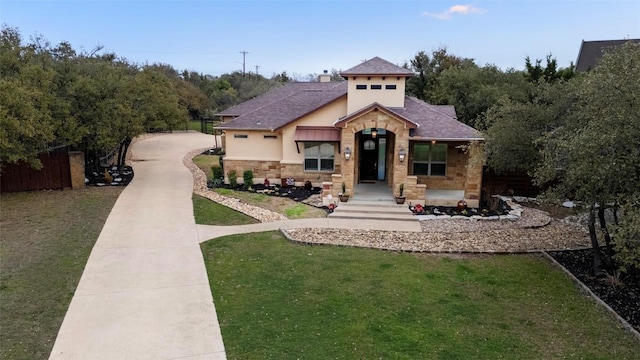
283, 105
591, 52
377, 66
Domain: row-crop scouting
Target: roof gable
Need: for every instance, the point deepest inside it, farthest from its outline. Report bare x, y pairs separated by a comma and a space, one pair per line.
375, 107
591, 52
377, 66
283, 106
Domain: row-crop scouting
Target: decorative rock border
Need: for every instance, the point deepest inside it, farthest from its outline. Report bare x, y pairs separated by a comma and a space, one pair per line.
200, 188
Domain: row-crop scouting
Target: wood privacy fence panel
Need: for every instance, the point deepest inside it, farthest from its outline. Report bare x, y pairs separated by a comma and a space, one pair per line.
520, 183
55, 174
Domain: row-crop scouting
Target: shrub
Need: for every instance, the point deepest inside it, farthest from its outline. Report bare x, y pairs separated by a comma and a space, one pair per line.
247, 176
233, 178
218, 173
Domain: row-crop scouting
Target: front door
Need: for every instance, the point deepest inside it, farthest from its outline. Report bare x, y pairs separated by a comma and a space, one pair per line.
368, 158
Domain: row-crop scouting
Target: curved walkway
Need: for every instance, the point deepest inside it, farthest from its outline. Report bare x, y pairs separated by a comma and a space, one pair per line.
144, 293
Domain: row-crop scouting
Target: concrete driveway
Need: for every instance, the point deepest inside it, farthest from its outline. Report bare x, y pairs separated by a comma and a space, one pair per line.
144, 293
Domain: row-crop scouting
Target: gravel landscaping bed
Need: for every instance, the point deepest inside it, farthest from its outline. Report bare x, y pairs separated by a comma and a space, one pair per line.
452, 236
533, 231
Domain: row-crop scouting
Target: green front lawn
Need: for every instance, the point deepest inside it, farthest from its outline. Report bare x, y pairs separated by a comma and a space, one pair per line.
45, 241
207, 212
278, 300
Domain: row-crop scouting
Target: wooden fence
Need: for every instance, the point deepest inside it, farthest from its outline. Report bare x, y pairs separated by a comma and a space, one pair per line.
520, 183
55, 174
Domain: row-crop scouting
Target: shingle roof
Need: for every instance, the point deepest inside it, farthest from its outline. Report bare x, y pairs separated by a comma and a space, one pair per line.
426, 121
283, 105
377, 66
436, 122
591, 52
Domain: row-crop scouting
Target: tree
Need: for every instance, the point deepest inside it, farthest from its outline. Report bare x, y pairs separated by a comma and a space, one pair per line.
514, 128
428, 69
26, 88
473, 90
550, 73
594, 154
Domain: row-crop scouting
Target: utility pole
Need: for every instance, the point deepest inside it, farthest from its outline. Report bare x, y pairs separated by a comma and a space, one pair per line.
257, 67
244, 54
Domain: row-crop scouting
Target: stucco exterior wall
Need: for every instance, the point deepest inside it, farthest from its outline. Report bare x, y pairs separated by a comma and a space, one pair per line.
357, 99
254, 147
325, 116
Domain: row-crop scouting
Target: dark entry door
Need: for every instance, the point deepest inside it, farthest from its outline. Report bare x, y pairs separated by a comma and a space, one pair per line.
368, 158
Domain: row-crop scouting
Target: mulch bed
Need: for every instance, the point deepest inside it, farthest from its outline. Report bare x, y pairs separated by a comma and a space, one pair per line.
502, 209
621, 293
297, 193
110, 176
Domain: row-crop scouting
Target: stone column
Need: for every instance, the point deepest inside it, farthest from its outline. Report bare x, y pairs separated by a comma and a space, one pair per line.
348, 166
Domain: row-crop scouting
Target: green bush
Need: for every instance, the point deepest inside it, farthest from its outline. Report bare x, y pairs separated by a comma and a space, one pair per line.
233, 178
247, 176
217, 171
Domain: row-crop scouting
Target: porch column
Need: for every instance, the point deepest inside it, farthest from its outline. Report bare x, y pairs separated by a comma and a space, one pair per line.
347, 169
400, 169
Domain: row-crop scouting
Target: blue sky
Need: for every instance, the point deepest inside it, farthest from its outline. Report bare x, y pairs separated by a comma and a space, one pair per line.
306, 36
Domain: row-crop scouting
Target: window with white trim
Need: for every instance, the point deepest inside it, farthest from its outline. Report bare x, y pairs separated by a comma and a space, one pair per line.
318, 156
429, 159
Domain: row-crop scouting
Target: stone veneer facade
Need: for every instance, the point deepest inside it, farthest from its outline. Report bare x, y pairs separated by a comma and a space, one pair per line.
275, 171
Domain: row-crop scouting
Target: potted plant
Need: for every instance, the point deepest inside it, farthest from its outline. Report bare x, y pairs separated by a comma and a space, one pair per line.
344, 197
400, 198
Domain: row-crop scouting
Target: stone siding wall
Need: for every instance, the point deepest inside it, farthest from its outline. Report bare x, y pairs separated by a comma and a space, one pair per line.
297, 172
456, 176
261, 169
397, 171
275, 171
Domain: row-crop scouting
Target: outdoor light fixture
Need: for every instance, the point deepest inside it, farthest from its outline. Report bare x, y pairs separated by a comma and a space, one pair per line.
402, 154
374, 133
347, 153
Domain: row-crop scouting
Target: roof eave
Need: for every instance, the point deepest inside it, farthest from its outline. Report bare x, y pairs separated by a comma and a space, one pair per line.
432, 138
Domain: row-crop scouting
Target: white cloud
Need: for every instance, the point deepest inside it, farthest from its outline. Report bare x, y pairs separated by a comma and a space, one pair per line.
455, 9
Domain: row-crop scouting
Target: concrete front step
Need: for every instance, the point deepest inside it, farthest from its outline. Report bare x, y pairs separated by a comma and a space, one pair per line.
372, 210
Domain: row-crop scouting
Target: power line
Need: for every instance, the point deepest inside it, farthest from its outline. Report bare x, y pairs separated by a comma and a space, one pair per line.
244, 54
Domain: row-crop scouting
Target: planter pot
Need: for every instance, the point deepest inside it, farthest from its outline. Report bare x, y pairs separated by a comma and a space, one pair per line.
400, 200
344, 198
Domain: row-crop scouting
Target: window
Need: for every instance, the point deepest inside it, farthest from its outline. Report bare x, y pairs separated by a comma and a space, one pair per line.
240, 136
361, 87
271, 136
390, 87
376, 87
318, 156
429, 159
